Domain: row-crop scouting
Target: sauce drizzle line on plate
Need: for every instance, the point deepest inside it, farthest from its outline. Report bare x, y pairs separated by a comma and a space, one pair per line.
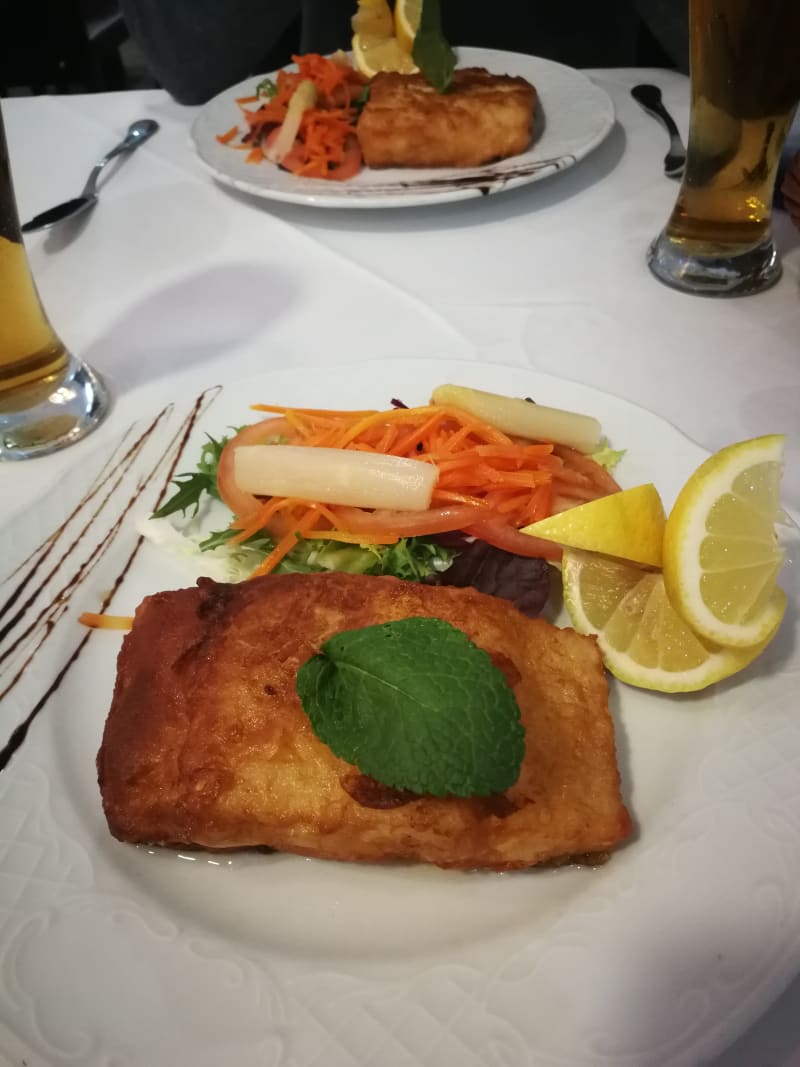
110, 477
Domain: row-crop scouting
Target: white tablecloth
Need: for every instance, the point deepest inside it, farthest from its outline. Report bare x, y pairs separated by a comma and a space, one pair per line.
172, 272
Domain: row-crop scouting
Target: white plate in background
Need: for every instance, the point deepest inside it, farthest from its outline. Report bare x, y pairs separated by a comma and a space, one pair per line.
573, 116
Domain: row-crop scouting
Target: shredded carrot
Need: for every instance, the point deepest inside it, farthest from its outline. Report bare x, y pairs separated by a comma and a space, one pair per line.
326, 145
304, 525
351, 538
487, 479
106, 622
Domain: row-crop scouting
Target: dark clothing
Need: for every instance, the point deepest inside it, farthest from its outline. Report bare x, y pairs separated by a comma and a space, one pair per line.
196, 48
582, 33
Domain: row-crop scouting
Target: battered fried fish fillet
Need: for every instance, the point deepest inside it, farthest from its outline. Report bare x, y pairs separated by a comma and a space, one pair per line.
484, 116
206, 742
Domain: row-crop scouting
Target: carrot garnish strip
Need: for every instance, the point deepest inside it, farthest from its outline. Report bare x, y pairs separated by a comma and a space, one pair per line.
229, 135
303, 526
353, 538
278, 409
105, 622
251, 524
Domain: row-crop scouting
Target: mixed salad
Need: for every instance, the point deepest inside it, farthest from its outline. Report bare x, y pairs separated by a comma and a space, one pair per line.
304, 120
439, 493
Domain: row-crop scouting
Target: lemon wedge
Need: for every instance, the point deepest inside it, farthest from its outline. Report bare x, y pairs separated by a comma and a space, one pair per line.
407, 14
373, 19
721, 553
644, 641
629, 524
375, 47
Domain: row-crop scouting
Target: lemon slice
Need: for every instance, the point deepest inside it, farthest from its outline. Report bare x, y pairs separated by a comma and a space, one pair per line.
374, 54
628, 524
373, 19
375, 48
407, 14
721, 555
643, 640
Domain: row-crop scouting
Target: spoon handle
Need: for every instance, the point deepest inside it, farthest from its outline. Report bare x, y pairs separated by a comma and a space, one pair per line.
137, 134
649, 99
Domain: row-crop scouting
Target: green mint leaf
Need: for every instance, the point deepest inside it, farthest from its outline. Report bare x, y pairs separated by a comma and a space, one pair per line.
415, 705
431, 52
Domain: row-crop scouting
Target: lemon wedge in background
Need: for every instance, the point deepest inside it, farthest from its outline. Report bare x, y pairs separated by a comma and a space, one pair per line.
375, 47
629, 524
407, 14
644, 641
721, 554
373, 19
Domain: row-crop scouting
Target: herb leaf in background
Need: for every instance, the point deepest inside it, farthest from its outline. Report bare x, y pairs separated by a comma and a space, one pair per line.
415, 705
432, 54
191, 487
266, 87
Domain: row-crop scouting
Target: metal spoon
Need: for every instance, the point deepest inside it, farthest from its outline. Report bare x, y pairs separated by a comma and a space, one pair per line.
649, 96
137, 134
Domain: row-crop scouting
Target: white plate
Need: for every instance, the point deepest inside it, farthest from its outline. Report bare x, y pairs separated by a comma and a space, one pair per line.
114, 954
573, 116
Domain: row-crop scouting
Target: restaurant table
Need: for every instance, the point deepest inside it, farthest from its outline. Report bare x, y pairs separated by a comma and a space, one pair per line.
174, 273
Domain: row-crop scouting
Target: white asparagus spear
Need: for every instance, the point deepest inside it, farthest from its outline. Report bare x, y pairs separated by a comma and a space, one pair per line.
335, 476
520, 418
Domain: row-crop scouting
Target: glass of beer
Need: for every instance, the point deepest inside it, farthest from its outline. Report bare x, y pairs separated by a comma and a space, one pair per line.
745, 85
48, 398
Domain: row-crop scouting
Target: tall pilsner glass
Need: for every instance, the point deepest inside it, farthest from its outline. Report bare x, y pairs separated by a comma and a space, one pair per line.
48, 398
745, 82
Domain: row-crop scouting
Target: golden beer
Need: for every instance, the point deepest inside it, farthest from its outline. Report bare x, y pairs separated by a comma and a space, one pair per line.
29, 349
745, 85
48, 399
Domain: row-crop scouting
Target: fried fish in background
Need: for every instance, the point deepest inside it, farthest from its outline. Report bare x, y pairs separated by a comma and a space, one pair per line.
206, 742
406, 123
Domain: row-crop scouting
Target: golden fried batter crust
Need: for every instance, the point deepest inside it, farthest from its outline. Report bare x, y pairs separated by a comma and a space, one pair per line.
206, 742
484, 116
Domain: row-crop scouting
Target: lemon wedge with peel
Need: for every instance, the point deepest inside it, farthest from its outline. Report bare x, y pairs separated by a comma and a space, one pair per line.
629, 524
375, 47
407, 14
721, 553
643, 639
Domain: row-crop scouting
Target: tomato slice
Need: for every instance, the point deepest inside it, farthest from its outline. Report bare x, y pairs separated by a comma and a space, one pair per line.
405, 523
498, 533
350, 165
583, 464
240, 502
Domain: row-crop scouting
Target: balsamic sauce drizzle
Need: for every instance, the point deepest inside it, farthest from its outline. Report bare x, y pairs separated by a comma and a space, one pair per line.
485, 182
113, 473
120, 471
